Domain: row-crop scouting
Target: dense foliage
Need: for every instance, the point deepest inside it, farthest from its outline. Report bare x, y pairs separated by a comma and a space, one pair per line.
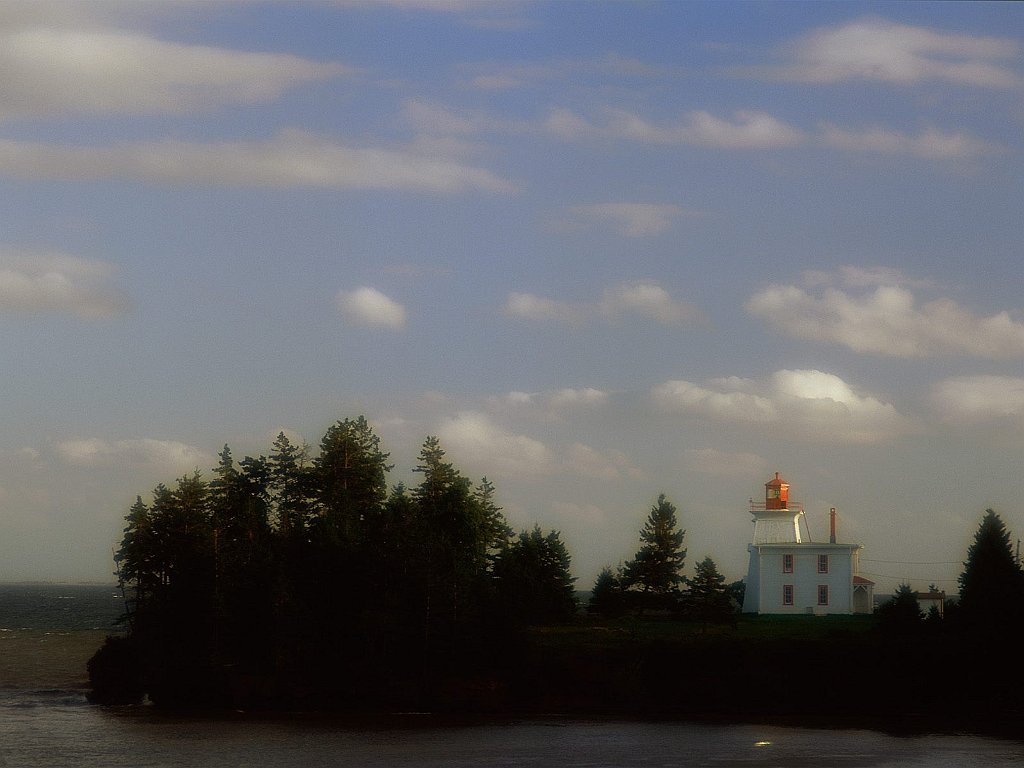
299, 580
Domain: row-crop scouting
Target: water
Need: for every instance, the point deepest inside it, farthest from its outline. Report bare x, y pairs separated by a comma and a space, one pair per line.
47, 633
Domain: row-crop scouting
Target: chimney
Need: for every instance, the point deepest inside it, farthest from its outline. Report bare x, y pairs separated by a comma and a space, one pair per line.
832, 526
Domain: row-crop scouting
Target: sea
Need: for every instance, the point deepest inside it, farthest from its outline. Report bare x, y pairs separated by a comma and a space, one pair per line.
48, 631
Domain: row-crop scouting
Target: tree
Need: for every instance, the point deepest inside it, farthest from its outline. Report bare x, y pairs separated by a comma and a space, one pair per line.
707, 598
289, 486
136, 560
656, 570
244, 564
992, 584
607, 598
495, 530
452, 547
533, 580
351, 477
901, 615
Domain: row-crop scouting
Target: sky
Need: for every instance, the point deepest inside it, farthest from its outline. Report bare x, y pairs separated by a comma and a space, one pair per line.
603, 251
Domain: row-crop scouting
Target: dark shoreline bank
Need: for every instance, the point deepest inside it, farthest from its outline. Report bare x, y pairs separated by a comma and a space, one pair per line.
841, 675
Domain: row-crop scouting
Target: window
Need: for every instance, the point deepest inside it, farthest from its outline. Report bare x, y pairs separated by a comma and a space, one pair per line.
787, 594
787, 563
822, 563
823, 594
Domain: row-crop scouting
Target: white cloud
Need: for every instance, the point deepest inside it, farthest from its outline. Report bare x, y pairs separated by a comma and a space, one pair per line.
974, 399
370, 307
51, 70
163, 454
645, 299
291, 159
474, 439
586, 461
724, 404
888, 321
748, 130
877, 49
526, 306
807, 403
648, 300
54, 282
930, 144
633, 219
587, 397
547, 406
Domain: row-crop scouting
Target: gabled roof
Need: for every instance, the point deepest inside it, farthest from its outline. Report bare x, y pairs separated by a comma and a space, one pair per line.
862, 580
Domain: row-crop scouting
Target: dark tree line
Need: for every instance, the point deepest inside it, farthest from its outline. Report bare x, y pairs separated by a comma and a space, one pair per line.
302, 580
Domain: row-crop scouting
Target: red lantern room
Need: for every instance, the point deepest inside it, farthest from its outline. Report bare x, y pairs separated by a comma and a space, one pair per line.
776, 493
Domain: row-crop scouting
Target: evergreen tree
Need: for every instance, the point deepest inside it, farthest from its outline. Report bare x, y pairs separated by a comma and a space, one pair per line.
656, 569
901, 615
453, 548
137, 558
351, 477
495, 530
606, 598
245, 572
707, 598
992, 584
533, 580
289, 487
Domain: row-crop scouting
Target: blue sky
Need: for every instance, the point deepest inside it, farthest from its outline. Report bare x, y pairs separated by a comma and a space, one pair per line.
602, 250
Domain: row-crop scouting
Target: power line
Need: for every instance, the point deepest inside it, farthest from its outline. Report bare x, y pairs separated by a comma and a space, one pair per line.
903, 576
912, 562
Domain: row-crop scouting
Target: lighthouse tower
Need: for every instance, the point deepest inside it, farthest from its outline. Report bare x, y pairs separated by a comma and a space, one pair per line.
776, 522
789, 573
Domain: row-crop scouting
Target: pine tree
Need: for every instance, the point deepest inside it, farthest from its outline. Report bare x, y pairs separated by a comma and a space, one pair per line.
533, 580
992, 584
350, 475
451, 543
901, 615
289, 487
606, 598
707, 599
656, 569
495, 530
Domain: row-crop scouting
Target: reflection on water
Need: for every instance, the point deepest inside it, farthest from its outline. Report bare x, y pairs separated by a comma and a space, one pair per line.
62, 734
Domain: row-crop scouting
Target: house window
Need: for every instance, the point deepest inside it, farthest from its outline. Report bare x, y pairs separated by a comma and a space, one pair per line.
822, 563
787, 563
787, 594
823, 594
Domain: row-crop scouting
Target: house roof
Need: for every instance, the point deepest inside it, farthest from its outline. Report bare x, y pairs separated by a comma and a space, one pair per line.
862, 580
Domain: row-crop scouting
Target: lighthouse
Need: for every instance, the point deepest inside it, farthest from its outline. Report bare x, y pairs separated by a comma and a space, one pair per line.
775, 522
791, 574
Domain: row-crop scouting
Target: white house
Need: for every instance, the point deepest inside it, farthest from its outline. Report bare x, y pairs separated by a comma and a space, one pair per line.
933, 598
788, 573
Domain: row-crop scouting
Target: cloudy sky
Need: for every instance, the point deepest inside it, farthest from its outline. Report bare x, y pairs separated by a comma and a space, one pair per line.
603, 251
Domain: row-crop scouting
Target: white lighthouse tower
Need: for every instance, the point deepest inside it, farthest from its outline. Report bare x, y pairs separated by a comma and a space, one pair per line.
788, 573
774, 521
